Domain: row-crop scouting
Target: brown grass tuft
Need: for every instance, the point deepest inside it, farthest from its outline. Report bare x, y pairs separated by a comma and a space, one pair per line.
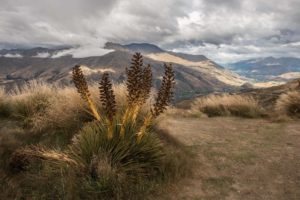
289, 104
22, 157
225, 105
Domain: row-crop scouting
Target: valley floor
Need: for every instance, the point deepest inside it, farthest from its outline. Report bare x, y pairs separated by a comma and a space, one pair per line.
238, 158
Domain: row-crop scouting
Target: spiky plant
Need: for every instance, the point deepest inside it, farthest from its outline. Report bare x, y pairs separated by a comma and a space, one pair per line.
163, 99
83, 89
146, 83
107, 158
139, 83
165, 92
134, 78
107, 98
133, 158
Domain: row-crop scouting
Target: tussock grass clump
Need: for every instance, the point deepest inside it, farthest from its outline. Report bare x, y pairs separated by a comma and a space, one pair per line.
226, 105
113, 164
133, 157
289, 104
65, 111
97, 167
25, 103
39, 105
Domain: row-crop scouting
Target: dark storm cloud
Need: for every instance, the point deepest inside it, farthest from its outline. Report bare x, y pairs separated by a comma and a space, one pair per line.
223, 30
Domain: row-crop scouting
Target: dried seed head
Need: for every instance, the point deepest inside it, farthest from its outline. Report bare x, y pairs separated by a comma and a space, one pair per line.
83, 89
80, 83
139, 81
165, 92
146, 83
107, 96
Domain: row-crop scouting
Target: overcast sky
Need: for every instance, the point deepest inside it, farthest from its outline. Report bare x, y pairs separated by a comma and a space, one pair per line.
223, 30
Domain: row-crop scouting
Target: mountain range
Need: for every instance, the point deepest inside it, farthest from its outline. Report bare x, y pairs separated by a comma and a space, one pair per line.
268, 69
194, 73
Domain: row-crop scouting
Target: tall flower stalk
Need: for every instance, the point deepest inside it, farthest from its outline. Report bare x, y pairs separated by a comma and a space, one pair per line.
83, 89
163, 99
139, 83
108, 101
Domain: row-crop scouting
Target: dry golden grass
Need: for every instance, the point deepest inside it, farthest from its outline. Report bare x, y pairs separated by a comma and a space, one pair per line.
40, 105
288, 104
28, 101
173, 111
225, 105
4, 111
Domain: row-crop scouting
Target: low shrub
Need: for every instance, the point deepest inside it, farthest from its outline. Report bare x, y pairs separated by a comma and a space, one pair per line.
225, 105
24, 103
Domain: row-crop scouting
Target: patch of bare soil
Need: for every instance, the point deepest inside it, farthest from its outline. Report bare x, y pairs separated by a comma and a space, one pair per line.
238, 158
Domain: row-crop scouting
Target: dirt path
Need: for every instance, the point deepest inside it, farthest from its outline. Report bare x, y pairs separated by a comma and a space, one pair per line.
239, 158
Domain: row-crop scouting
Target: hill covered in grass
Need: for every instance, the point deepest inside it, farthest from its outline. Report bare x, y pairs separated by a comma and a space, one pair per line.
194, 73
268, 68
126, 141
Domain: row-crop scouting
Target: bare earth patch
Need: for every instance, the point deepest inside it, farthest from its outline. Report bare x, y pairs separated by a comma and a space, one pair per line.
239, 158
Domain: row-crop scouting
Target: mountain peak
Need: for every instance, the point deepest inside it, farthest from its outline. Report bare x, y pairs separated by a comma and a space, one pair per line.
134, 47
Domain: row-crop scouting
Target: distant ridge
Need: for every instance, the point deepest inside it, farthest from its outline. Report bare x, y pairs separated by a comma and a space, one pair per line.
194, 73
268, 68
146, 48
135, 47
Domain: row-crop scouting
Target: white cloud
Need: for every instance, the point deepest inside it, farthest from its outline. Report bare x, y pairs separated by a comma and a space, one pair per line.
82, 51
42, 55
223, 30
8, 55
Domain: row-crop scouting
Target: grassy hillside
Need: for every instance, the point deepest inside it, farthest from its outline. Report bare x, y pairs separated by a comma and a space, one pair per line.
103, 141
